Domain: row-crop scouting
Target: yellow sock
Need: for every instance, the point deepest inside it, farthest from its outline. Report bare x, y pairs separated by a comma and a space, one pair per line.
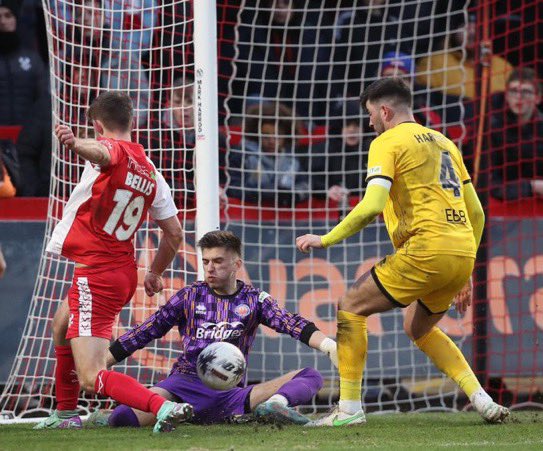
352, 348
448, 359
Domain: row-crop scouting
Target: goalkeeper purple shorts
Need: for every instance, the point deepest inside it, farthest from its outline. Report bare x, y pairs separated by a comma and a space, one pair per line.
210, 406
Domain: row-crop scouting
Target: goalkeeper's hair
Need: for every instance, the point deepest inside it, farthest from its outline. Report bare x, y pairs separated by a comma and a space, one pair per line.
114, 109
220, 238
393, 90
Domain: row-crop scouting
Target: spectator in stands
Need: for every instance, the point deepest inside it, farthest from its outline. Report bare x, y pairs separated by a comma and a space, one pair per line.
431, 108
79, 88
112, 48
132, 24
89, 18
266, 167
173, 145
22, 73
517, 139
123, 71
338, 166
34, 149
174, 142
448, 70
362, 35
281, 60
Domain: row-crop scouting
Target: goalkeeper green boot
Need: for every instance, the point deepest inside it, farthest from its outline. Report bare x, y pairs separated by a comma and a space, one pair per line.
170, 415
61, 419
275, 412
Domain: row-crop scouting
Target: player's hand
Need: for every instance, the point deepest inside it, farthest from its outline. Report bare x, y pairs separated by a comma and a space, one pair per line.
463, 299
65, 136
329, 347
153, 283
337, 193
304, 243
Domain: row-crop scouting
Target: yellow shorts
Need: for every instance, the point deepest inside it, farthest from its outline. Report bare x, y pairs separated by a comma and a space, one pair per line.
432, 281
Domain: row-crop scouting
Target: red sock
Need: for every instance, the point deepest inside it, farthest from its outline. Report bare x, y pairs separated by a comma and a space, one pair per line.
67, 385
128, 391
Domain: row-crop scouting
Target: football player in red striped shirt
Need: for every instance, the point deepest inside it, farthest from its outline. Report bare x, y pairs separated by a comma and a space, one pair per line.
118, 187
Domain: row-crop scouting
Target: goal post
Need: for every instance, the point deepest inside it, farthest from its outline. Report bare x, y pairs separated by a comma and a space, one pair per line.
206, 123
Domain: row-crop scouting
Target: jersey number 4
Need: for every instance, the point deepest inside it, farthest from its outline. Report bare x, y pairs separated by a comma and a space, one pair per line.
447, 176
132, 209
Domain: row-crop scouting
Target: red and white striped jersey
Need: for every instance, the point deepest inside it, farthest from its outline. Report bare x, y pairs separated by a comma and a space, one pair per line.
109, 204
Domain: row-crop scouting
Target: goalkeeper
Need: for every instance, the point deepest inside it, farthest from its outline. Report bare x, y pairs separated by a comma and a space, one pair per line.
221, 308
417, 178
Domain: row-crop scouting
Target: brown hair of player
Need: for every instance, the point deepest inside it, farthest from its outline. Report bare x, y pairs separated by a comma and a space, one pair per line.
391, 89
220, 238
113, 109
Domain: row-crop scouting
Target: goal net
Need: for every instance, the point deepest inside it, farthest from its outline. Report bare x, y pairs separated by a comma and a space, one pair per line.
293, 146
296, 164
143, 47
506, 157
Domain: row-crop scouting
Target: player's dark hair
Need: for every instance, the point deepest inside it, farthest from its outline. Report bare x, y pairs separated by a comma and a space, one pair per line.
525, 74
392, 89
220, 238
114, 109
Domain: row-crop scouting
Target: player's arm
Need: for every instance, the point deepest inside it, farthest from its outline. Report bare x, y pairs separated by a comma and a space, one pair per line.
381, 171
476, 216
172, 235
164, 212
89, 149
299, 328
156, 326
366, 211
476, 213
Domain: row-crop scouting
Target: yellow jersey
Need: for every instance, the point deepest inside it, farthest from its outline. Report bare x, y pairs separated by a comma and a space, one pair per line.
425, 213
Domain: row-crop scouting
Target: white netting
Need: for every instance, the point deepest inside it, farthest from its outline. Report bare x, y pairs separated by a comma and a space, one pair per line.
299, 143
310, 67
143, 47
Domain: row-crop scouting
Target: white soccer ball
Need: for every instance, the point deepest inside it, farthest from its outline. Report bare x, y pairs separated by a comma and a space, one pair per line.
221, 366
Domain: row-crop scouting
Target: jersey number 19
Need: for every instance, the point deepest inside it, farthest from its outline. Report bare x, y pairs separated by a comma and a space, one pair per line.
132, 209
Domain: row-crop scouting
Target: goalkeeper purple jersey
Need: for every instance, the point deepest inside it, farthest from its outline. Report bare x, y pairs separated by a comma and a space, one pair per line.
204, 317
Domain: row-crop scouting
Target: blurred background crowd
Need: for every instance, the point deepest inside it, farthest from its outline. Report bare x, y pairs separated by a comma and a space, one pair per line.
290, 74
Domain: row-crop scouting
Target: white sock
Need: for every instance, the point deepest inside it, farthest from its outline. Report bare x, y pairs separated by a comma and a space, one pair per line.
480, 399
280, 399
350, 407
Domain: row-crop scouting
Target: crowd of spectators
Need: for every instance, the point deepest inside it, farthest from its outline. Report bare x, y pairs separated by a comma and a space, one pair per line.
517, 139
292, 98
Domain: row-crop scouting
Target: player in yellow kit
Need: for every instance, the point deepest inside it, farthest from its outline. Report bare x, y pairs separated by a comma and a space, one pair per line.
417, 179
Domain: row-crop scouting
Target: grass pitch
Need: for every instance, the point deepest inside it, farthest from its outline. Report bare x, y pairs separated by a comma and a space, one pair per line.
406, 431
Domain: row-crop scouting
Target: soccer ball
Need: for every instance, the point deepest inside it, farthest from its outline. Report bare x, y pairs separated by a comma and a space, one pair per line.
221, 366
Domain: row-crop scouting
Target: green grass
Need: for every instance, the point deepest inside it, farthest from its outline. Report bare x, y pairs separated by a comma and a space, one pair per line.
406, 431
